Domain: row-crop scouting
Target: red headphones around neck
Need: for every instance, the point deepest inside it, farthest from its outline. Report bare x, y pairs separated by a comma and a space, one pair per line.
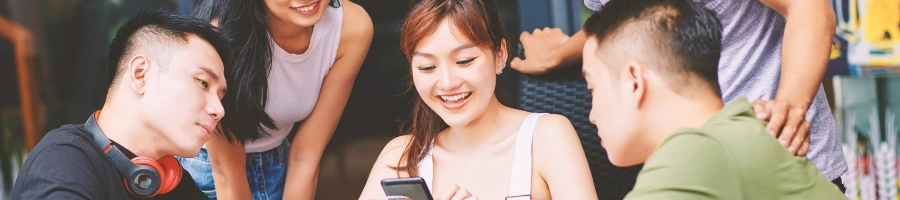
144, 177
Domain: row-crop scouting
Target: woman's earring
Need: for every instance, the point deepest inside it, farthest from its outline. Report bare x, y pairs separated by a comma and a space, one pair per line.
501, 70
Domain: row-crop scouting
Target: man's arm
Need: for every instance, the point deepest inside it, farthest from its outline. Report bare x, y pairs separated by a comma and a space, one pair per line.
59, 172
804, 56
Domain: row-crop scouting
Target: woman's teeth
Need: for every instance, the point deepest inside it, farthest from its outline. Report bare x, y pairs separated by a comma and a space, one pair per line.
307, 8
455, 97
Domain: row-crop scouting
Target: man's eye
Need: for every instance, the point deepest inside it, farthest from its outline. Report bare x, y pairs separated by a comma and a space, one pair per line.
204, 83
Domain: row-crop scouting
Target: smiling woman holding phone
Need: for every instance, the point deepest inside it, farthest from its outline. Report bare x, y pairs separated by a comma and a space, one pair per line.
296, 63
463, 142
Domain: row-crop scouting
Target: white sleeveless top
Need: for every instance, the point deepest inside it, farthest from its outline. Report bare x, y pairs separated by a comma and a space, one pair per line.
520, 176
296, 79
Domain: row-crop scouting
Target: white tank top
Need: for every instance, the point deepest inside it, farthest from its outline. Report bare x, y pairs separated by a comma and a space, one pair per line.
520, 176
296, 79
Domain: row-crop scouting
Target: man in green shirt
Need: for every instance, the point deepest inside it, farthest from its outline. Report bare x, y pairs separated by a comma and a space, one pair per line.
651, 66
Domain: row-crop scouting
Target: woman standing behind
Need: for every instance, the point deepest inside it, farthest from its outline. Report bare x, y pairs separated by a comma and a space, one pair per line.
463, 142
295, 61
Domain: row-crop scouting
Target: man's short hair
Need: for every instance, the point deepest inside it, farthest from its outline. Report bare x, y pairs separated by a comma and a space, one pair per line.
681, 38
157, 35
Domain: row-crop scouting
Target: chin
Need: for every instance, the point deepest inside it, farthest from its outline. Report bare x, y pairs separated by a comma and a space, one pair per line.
190, 150
618, 163
461, 117
623, 161
458, 122
309, 20
189, 153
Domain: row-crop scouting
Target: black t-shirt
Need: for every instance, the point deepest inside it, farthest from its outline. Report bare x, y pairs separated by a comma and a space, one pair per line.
66, 164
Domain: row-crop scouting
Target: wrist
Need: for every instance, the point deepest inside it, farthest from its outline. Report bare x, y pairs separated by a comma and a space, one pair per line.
555, 58
795, 102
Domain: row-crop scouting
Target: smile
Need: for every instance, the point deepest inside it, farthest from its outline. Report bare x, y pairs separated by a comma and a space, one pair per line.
308, 9
455, 101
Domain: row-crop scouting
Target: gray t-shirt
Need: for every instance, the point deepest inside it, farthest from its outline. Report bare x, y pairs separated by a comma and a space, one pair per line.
750, 66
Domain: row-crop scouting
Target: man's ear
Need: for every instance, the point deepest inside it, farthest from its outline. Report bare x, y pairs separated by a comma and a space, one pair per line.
634, 83
136, 75
502, 55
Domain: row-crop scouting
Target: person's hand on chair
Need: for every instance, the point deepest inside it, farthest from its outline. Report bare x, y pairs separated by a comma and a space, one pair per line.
540, 48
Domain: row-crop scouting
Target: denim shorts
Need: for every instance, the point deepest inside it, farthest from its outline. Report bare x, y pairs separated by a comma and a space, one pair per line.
266, 172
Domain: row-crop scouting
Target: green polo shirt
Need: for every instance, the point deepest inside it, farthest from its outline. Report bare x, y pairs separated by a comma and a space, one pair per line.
731, 157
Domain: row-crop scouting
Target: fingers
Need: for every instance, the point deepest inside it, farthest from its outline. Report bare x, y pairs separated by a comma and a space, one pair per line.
804, 148
799, 137
778, 112
786, 123
516, 63
548, 30
795, 119
454, 192
545, 30
447, 194
557, 30
461, 194
759, 107
525, 38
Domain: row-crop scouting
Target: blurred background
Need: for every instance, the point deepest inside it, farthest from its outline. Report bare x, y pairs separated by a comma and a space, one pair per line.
52, 72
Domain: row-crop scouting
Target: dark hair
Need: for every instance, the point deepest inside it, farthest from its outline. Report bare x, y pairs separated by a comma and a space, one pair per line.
479, 22
207, 10
685, 33
157, 34
245, 22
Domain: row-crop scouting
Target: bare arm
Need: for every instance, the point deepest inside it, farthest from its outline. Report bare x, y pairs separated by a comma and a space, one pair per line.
388, 157
560, 160
804, 53
570, 51
229, 168
316, 130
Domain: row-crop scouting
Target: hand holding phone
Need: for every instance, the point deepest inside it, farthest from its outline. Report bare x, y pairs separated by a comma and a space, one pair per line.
413, 187
454, 192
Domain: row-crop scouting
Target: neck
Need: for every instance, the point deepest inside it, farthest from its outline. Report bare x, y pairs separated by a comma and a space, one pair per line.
675, 113
484, 130
119, 124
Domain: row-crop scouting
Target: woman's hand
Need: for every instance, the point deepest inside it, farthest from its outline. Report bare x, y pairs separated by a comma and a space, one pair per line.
454, 192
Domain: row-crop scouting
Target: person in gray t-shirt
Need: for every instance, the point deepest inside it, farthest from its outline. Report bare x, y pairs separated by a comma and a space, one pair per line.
757, 34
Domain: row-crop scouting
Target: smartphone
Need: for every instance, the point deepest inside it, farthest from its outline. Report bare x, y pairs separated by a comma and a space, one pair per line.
413, 187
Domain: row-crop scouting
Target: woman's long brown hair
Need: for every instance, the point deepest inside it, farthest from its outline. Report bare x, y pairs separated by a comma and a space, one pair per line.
478, 22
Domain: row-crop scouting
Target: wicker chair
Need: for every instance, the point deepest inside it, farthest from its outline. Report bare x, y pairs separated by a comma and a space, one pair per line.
565, 92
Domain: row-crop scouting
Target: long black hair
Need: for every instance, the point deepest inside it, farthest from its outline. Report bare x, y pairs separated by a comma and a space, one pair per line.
245, 22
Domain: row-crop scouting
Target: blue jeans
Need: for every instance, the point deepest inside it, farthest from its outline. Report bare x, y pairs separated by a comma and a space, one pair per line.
266, 172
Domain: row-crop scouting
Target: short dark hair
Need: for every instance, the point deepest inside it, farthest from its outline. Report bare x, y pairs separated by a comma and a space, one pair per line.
686, 36
158, 34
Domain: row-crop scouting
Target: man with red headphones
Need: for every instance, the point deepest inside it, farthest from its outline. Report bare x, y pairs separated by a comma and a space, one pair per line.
166, 85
